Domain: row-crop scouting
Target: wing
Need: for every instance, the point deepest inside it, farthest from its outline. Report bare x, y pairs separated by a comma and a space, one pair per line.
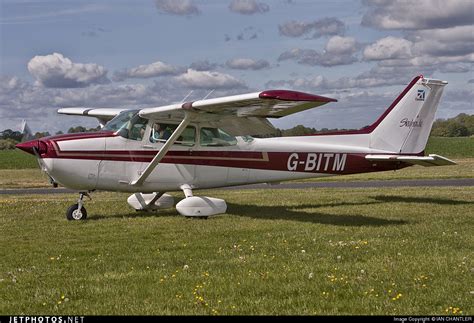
102, 114
241, 114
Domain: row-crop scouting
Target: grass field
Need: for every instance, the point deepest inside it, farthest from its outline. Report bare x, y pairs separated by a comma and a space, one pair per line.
386, 251
16, 159
319, 251
451, 147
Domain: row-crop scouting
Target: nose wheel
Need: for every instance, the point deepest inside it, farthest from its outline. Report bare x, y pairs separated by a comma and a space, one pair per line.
78, 211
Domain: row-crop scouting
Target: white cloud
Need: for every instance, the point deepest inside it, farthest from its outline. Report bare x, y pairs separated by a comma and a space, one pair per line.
446, 50
420, 14
57, 71
324, 27
388, 48
204, 65
338, 45
208, 80
247, 64
177, 7
338, 51
455, 41
248, 7
147, 71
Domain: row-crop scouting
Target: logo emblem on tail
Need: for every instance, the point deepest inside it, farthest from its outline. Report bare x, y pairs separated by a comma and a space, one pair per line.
411, 123
420, 95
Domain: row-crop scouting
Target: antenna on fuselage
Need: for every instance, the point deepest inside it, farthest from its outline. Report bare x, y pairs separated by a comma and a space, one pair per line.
207, 95
187, 96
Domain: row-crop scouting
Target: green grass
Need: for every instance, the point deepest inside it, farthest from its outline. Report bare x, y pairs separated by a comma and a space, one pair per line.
463, 169
23, 178
459, 147
16, 159
318, 251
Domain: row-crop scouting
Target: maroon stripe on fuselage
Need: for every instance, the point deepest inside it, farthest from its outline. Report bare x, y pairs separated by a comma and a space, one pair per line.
81, 135
354, 163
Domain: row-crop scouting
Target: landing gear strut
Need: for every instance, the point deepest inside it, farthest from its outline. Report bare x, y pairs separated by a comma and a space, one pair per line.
78, 211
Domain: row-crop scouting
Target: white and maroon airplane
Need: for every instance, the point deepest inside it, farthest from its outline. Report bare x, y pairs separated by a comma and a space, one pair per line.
207, 144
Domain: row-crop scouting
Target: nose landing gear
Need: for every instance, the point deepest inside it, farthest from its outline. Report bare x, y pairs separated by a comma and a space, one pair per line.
78, 211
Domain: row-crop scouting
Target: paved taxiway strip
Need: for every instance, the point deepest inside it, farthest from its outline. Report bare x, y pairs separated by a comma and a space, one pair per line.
352, 184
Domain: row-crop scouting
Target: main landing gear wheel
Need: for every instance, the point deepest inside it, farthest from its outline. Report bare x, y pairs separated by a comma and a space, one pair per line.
74, 213
77, 211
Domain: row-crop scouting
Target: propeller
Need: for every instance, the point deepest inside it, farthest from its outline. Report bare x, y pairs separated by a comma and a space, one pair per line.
37, 147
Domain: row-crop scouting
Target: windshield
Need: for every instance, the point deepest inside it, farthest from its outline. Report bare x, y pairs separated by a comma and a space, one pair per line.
128, 124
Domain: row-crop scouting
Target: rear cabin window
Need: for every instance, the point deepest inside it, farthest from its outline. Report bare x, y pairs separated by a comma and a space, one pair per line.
161, 132
215, 137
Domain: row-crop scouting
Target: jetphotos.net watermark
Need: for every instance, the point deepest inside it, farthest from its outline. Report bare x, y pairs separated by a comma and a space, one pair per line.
45, 319
426, 319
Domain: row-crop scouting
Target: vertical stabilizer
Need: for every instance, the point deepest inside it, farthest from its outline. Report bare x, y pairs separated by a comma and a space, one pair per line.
406, 125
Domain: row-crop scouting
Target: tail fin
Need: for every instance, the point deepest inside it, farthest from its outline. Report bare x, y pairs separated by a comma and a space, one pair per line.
405, 126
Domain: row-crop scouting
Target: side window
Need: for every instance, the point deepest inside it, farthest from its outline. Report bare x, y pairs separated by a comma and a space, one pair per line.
138, 129
160, 132
216, 137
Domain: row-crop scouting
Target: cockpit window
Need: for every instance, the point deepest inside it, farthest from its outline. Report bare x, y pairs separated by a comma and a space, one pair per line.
128, 125
160, 132
216, 137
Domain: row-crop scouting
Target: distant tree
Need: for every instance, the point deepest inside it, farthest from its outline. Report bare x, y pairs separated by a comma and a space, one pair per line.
10, 134
42, 134
7, 144
76, 129
457, 130
59, 132
298, 130
460, 126
467, 121
82, 129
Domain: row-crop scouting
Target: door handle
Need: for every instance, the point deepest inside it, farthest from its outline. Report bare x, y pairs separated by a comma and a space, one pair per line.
149, 147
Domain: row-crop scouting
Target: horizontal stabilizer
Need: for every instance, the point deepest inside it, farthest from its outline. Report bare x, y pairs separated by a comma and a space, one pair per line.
427, 161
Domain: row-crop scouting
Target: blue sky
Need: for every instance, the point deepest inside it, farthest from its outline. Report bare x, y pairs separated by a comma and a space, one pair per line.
153, 52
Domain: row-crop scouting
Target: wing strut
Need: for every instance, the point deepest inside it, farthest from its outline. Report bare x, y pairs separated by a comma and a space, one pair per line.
159, 156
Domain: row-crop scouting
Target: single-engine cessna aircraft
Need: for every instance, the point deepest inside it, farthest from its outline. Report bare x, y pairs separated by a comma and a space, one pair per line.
207, 144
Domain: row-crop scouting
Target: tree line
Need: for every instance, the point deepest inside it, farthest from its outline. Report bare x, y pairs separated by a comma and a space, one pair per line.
9, 138
461, 125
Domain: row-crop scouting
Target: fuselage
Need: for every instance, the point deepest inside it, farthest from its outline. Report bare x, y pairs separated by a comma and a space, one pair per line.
108, 161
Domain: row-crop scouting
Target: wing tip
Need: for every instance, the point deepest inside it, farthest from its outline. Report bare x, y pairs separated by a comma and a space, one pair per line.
287, 95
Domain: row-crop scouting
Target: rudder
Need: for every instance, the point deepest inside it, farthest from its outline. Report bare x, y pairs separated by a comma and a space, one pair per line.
406, 125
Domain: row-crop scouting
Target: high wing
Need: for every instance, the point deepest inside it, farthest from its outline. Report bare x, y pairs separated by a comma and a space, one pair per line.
102, 114
243, 114
239, 115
